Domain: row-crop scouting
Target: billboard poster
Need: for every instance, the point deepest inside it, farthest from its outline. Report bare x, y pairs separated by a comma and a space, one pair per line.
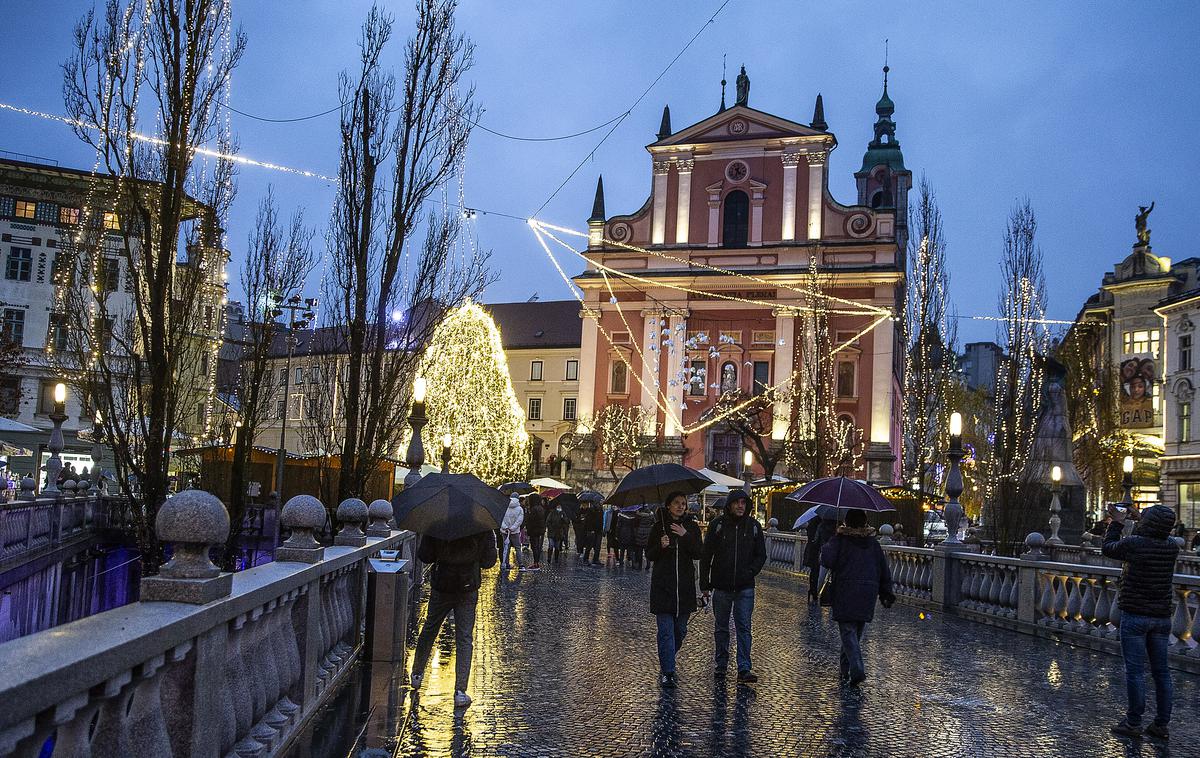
1137, 388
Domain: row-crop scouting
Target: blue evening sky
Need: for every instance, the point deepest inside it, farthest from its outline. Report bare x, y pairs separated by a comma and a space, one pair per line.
1088, 108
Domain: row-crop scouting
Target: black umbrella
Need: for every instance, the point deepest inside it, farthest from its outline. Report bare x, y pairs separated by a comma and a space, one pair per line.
517, 488
590, 496
449, 506
569, 503
652, 484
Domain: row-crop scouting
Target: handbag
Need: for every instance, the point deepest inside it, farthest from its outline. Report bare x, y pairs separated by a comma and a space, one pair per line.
825, 585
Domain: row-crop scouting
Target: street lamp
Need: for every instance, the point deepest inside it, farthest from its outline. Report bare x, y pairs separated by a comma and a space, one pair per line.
416, 419
59, 415
1127, 480
747, 464
1055, 505
293, 305
953, 511
446, 440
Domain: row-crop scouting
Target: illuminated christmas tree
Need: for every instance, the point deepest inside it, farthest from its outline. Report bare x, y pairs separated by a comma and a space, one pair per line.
470, 397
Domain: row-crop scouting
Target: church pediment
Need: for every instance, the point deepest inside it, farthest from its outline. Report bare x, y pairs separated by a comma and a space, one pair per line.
740, 123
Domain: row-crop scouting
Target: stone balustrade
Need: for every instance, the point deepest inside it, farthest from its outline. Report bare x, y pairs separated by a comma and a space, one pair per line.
31, 524
1073, 602
190, 674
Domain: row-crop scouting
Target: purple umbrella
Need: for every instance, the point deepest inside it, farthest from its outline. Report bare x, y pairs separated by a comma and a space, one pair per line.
838, 492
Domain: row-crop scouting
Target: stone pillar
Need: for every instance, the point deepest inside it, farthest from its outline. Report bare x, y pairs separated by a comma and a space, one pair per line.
353, 514
879, 455
714, 217
658, 223
757, 199
683, 204
380, 513
192, 521
785, 346
302, 514
588, 363
651, 359
674, 359
790, 163
816, 193
1027, 578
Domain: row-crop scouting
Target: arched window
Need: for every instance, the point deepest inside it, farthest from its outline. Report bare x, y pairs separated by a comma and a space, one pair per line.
736, 229
729, 381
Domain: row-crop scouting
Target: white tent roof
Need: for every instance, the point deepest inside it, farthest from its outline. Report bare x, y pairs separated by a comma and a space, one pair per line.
546, 481
723, 479
8, 425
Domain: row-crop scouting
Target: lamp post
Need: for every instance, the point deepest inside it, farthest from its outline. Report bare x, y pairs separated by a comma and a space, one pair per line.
54, 465
446, 440
1127, 500
953, 511
1055, 506
416, 419
293, 305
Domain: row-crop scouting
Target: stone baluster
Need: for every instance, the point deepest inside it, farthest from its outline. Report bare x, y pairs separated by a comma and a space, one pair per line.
1102, 608
380, 513
1014, 592
1181, 627
885, 534
266, 678
192, 521
1114, 611
1087, 609
303, 515
983, 589
353, 514
238, 677
1195, 630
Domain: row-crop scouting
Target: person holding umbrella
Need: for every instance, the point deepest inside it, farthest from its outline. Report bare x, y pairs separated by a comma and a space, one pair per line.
735, 550
861, 576
675, 543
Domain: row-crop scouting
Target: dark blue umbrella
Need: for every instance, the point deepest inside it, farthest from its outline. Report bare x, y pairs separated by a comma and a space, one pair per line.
517, 488
449, 506
839, 493
590, 496
652, 484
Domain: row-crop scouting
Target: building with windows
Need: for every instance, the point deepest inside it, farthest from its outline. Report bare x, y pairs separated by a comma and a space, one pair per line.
541, 342
979, 364
699, 292
1126, 330
1180, 468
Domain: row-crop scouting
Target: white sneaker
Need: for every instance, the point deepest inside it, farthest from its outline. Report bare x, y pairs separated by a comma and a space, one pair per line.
461, 699
415, 681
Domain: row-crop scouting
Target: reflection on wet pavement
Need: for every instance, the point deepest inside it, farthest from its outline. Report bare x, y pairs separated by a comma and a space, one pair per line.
565, 665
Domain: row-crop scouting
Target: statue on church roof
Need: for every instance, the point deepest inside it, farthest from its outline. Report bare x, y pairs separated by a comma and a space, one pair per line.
1143, 231
743, 88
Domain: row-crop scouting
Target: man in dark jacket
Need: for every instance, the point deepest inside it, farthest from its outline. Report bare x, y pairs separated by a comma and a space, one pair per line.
861, 576
454, 581
626, 529
1146, 601
557, 525
641, 537
593, 525
734, 552
535, 527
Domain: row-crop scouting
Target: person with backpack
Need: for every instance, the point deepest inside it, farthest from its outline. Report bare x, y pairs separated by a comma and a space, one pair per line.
1147, 601
593, 524
641, 536
510, 529
535, 527
626, 528
735, 550
861, 576
454, 578
557, 526
674, 547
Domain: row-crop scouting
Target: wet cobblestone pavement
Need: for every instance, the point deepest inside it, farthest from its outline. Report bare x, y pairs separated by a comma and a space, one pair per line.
565, 665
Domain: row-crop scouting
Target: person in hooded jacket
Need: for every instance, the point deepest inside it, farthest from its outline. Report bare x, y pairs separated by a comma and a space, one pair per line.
1146, 600
819, 532
557, 526
641, 536
675, 544
735, 550
861, 576
510, 529
593, 524
535, 527
626, 529
454, 579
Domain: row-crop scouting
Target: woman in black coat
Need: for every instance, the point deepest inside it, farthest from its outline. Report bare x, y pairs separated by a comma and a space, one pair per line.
819, 532
674, 546
861, 576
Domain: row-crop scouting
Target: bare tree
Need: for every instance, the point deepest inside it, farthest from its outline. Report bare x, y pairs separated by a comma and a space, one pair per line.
144, 356
386, 296
752, 417
1012, 496
12, 357
278, 260
929, 338
619, 435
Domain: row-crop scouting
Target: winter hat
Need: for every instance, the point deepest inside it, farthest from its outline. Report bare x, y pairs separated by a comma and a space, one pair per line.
736, 495
856, 518
1156, 521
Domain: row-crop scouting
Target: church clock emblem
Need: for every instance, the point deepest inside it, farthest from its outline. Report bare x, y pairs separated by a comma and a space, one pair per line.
738, 126
737, 171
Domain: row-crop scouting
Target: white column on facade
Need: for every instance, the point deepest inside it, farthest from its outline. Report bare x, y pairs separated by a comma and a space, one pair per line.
790, 162
588, 359
658, 225
785, 346
881, 382
757, 199
674, 360
683, 205
650, 359
714, 219
816, 192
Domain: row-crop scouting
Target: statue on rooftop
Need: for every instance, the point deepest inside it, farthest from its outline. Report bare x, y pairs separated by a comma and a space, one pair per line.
1143, 231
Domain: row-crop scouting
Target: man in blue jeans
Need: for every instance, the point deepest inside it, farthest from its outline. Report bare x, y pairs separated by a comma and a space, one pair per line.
1146, 602
734, 552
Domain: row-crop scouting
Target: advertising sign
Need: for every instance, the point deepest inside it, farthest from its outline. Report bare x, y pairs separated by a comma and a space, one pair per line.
1138, 375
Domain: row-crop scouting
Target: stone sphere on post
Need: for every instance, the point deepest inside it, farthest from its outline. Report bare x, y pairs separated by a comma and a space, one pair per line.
303, 515
353, 514
885, 534
380, 512
1035, 542
193, 521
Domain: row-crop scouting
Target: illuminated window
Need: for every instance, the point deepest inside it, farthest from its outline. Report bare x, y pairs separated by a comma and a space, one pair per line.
68, 215
1140, 341
112, 222
729, 379
535, 409
697, 385
572, 371
568, 409
13, 326
618, 378
535, 371
26, 209
1185, 422
19, 266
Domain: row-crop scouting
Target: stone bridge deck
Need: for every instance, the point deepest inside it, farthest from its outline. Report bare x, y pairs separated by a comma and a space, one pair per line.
565, 665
